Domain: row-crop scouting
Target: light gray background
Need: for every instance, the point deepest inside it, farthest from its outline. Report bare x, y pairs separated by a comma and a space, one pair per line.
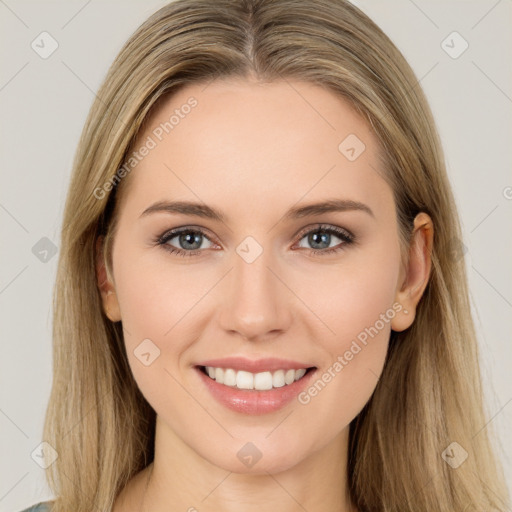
44, 103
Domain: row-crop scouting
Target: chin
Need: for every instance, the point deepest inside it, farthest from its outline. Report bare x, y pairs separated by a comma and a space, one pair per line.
257, 457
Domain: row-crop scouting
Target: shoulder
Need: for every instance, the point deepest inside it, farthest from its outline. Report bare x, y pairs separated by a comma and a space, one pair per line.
43, 506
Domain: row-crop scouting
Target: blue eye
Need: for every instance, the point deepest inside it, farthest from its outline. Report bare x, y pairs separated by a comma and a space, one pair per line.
322, 235
190, 240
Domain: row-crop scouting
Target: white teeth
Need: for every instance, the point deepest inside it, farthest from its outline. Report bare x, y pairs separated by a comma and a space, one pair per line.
229, 377
300, 373
289, 376
259, 381
278, 379
244, 380
219, 374
263, 381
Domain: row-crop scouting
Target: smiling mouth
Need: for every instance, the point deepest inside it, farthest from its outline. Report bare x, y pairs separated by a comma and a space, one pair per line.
261, 381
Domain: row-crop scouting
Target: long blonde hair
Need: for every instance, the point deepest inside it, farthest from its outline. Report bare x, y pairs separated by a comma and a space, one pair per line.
430, 392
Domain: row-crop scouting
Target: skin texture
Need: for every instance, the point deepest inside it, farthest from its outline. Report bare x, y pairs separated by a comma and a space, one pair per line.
252, 151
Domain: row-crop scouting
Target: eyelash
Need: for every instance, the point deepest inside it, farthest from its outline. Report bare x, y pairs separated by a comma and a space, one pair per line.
343, 234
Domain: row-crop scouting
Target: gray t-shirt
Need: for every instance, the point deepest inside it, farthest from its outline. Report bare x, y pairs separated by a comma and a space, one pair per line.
43, 506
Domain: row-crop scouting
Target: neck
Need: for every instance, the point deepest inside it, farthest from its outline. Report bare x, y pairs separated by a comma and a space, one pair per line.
180, 479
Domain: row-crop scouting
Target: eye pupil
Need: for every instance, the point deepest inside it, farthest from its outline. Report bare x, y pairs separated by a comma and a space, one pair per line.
315, 239
190, 237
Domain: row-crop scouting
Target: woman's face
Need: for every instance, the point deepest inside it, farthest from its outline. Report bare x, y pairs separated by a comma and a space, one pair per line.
273, 278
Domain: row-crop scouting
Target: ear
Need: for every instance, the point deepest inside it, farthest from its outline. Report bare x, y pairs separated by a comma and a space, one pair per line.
105, 286
415, 275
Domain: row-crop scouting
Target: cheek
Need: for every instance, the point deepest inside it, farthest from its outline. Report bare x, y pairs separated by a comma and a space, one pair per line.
155, 295
355, 300
159, 306
158, 302
351, 296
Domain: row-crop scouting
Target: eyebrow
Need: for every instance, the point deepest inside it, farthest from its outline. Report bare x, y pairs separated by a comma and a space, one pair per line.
204, 211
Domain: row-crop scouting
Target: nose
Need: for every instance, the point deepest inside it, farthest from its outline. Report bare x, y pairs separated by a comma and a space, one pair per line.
257, 304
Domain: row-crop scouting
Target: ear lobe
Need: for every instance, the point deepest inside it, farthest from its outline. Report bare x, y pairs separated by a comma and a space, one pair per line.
105, 286
417, 273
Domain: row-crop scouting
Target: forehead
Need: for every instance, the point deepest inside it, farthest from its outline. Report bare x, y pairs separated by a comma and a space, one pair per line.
244, 142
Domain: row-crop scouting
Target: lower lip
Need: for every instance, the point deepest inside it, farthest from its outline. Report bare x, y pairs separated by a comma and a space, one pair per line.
253, 401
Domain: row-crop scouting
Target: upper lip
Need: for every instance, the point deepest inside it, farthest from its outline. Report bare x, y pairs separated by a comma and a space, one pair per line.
255, 365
